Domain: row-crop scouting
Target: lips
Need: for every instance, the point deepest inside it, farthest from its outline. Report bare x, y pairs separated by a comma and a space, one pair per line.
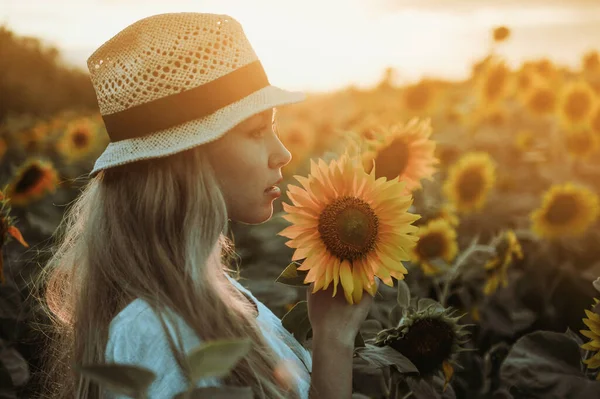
274, 184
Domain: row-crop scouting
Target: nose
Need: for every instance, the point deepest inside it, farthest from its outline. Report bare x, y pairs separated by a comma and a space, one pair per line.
280, 156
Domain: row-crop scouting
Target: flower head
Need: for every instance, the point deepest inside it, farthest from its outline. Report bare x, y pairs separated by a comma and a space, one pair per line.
32, 181
581, 142
501, 33
577, 102
437, 240
78, 139
494, 83
567, 210
507, 249
541, 100
403, 152
349, 227
429, 336
419, 97
593, 323
469, 181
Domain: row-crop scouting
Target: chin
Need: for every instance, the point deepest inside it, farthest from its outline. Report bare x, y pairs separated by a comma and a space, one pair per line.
255, 216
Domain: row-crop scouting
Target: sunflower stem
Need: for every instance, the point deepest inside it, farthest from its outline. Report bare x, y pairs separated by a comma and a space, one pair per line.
408, 395
460, 262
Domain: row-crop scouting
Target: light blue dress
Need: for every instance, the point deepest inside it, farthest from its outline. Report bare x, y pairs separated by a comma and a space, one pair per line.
136, 338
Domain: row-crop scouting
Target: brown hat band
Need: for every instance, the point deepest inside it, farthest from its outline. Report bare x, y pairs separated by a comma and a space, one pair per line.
186, 106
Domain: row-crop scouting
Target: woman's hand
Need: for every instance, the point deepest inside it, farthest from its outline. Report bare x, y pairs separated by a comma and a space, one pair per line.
333, 317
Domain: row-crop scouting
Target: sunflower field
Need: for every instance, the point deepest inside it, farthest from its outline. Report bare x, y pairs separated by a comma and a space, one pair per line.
474, 202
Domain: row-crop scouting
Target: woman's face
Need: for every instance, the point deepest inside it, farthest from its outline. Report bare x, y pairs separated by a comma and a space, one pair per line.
247, 161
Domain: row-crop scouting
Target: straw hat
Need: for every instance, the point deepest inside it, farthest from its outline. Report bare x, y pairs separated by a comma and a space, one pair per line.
173, 81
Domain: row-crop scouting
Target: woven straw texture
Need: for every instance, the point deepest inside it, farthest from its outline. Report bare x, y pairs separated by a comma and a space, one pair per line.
166, 54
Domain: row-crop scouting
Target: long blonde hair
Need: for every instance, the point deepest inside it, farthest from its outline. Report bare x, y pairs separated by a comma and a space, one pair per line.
152, 229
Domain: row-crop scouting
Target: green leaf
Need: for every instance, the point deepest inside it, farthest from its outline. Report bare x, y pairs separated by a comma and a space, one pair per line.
546, 364
385, 356
421, 389
120, 378
296, 321
426, 303
370, 328
403, 294
216, 358
359, 341
396, 315
217, 393
293, 277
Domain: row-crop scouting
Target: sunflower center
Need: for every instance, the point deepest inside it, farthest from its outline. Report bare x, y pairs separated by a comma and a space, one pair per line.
80, 139
542, 101
578, 105
470, 184
348, 227
427, 344
392, 160
29, 178
579, 143
431, 246
562, 209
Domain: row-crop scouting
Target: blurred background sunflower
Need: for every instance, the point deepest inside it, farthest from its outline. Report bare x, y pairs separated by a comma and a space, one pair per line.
469, 181
567, 210
437, 241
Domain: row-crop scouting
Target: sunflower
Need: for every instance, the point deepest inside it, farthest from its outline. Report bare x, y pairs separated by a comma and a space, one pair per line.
368, 127
446, 212
469, 181
567, 209
437, 240
495, 116
501, 33
350, 227
591, 62
429, 336
7, 230
593, 323
78, 139
541, 100
493, 84
446, 153
581, 143
507, 249
420, 97
34, 139
577, 102
34, 179
403, 152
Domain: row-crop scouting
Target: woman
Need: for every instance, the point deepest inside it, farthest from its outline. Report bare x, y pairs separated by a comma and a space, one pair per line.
142, 258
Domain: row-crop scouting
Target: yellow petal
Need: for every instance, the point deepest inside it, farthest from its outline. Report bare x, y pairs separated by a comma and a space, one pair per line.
336, 274
448, 372
358, 286
347, 281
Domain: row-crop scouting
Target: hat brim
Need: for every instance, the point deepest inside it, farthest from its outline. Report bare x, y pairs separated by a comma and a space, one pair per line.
197, 132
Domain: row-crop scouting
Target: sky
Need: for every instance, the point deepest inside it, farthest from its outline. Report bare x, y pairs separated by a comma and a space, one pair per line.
320, 45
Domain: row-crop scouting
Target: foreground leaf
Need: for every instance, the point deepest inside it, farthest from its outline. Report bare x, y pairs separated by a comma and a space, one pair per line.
292, 277
385, 356
403, 298
216, 358
546, 364
296, 321
122, 379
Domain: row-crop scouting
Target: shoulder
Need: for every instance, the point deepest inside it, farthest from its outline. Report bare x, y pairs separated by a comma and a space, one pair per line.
136, 337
